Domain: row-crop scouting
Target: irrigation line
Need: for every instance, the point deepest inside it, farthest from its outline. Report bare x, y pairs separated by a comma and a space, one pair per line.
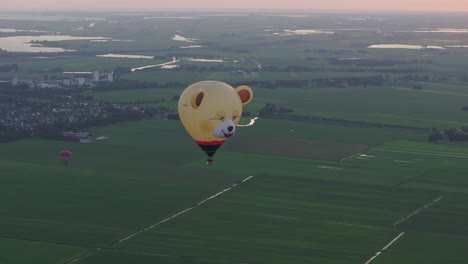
82, 256
354, 155
357, 225
384, 248
417, 211
88, 254
182, 259
180, 213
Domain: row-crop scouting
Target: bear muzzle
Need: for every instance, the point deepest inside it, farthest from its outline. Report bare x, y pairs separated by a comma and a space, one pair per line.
225, 130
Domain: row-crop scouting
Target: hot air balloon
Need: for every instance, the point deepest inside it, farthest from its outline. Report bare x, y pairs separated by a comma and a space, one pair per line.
210, 111
65, 156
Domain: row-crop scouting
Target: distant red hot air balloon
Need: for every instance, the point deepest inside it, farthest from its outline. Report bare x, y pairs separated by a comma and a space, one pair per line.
65, 156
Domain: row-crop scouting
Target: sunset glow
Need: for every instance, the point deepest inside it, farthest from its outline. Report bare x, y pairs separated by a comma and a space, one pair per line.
312, 5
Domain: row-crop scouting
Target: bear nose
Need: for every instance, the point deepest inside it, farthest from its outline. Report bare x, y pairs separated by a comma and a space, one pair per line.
230, 128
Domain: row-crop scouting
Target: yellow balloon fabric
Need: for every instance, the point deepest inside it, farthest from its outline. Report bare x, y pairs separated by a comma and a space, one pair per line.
210, 112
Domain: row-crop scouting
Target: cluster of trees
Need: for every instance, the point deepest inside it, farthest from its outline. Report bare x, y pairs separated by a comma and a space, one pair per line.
219, 67
25, 91
132, 84
272, 108
415, 77
336, 52
321, 82
337, 121
364, 62
451, 134
6, 135
173, 116
374, 62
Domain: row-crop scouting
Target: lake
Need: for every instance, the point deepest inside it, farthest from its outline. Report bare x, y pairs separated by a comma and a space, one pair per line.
205, 60
440, 30
23, 43
403, 46
20, 16
13, 30
110, 55
288, 32
180, 38
174, 60
191, 47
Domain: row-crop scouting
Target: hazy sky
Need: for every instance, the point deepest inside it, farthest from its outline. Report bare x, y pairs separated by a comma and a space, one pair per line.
381, 5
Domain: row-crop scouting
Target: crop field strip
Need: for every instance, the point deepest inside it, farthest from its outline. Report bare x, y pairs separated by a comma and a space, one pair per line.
430, 153
309, 149
13, 251
427, 219
88, 254
321, 169
355, 225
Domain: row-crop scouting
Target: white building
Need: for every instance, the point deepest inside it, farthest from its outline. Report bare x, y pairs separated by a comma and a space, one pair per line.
80, 81
96, 76
47, 85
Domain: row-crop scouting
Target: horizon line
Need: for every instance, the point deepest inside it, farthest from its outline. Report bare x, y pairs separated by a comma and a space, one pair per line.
255, 10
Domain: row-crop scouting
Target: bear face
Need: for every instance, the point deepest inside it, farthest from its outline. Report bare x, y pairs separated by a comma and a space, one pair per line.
222, 124
211, 110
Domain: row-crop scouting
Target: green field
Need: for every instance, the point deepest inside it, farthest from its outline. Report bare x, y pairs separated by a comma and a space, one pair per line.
293, 209
23, 251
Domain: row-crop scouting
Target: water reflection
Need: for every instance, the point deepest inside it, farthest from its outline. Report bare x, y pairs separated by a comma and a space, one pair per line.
88, 26
111, 55
180, 38
440, 30
251, 123
13, 30
403, 46
288, 32
35, 17
205, 60
174, 60
191, 47
24, 43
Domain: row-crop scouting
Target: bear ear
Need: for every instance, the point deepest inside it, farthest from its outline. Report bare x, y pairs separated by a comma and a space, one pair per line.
245, 94
197, 98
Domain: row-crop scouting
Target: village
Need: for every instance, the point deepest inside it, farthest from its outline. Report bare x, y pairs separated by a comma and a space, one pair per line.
26, 118
80, 79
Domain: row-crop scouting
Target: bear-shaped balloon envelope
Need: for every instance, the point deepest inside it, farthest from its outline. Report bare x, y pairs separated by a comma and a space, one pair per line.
210, 111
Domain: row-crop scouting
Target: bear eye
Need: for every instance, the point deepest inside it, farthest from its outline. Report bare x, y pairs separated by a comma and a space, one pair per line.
222, 119
234, 117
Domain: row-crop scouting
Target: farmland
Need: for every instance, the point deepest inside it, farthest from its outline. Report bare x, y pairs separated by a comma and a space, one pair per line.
346, 175
302, 209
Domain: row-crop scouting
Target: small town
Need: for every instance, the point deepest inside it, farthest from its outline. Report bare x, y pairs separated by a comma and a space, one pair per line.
25, 118
80, 79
